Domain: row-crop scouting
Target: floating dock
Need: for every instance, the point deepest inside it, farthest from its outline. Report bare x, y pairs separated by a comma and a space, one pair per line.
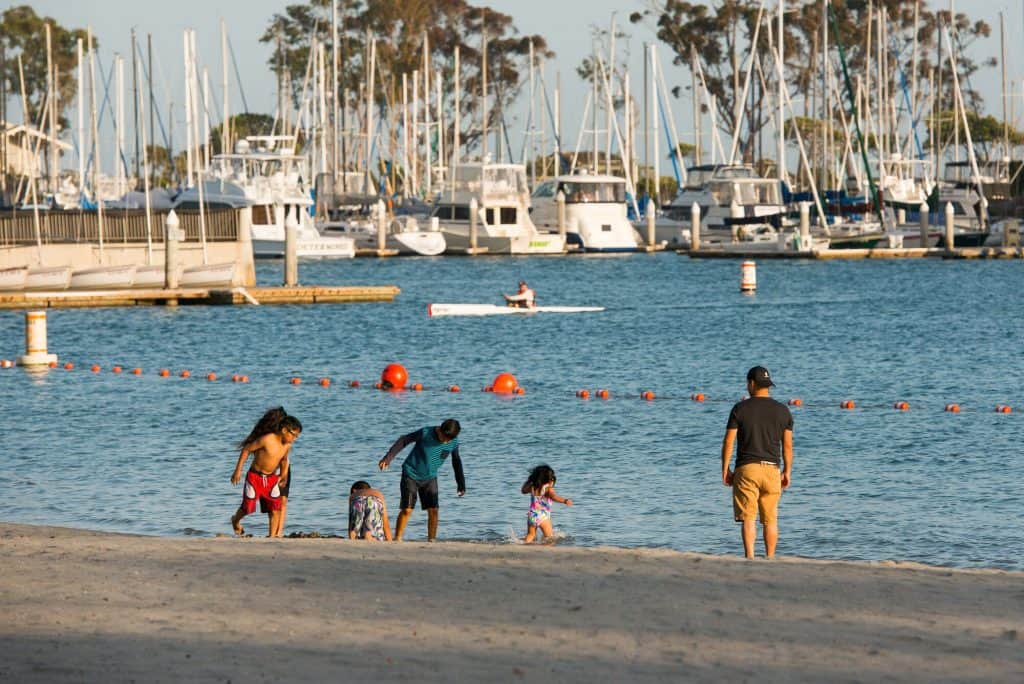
198, 296
873, 253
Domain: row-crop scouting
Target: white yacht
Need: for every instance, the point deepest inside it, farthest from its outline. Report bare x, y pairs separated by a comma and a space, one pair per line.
271, 182
731, 197
596, 218
503, 221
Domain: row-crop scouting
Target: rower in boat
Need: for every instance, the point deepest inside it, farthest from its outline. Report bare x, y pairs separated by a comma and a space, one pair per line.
525, 298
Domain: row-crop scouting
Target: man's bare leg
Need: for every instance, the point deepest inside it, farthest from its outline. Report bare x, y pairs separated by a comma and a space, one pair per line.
771, 538
749, 536
236, 521
431, 524
274, 524
401, 522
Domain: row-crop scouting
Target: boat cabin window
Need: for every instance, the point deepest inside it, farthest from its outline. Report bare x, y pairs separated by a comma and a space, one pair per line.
501, 216
545, 189
460, 213
594, 192
263, 215
443, 212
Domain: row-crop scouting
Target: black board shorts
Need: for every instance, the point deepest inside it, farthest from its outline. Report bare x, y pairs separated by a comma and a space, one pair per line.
283, 488
426, 489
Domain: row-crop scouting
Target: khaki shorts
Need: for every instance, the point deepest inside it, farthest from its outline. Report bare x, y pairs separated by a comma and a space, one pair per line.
756, 489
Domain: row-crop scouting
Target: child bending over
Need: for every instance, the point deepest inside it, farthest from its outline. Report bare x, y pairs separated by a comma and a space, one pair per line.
367, 514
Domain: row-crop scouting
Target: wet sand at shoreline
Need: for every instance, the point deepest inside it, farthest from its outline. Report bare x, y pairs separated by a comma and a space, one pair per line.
88, 606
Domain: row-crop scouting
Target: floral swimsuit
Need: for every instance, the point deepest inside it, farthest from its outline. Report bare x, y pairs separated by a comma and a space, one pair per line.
540, 507
366, 517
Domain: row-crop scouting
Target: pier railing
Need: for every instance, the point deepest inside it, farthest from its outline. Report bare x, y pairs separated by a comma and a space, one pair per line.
18, 227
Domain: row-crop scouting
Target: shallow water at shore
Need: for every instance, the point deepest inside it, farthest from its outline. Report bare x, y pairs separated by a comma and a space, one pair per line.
154, 455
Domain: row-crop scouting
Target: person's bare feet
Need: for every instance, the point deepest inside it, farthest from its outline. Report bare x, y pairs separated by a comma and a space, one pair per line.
236, 525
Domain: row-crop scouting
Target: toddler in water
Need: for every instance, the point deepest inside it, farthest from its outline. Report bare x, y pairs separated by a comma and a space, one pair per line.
367, 513
541, 488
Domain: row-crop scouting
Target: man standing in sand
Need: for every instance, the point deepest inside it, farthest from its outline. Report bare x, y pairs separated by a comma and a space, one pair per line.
763, 425
419, 471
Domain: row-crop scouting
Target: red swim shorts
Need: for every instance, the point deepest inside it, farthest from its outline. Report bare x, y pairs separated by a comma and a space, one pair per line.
262, 488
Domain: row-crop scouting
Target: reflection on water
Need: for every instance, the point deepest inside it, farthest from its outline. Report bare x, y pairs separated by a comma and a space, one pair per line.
154, 455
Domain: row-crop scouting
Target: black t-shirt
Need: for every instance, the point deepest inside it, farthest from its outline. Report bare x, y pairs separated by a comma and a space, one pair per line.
760, 422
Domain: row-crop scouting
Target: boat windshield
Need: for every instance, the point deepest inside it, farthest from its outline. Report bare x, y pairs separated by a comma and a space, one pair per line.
593, 192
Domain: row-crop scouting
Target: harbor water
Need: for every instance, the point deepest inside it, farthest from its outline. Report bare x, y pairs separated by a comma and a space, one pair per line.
153, 455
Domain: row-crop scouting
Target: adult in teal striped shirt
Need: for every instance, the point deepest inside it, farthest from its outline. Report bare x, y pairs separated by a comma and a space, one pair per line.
419, 470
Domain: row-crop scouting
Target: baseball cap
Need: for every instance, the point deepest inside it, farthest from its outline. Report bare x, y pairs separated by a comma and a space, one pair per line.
760, 376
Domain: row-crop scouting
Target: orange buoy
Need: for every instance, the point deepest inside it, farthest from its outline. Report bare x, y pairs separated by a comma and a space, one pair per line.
519, 390
164, 373
95, 368
648, 395
699, 396
353, 383
901, 406
417, 387
69, 366
136, 371
848, 404
952, 408
394, 376
296, 381
454, 388
244, 378
211, 376
504, 383
234, 377
748, 277
796, 401
603, 394
583, 394
185, 374
1003, 408
53, 364
378, 385
5, 363
117, 369
325, 382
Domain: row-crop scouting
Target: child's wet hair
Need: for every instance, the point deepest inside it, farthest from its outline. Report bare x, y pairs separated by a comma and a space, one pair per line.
273, 421
450, 428
542, 475
360, 484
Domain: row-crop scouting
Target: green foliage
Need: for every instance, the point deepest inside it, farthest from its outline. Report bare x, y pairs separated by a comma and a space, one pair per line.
984, 129
23, 33
242, 126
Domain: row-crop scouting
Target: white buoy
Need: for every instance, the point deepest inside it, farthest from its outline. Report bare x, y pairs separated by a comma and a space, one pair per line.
291, 252
435, 224
36, 353
695, 226
923, 223
748, 277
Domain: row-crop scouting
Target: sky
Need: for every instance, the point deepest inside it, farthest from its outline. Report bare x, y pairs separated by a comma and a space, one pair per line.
566, 24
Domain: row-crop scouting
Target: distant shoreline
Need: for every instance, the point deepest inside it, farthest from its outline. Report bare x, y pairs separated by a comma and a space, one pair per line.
83, 605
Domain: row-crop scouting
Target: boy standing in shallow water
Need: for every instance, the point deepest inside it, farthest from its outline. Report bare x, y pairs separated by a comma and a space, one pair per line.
269, 444
419, 471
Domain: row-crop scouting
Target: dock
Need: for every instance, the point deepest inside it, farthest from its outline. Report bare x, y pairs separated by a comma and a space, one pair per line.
199, 296
848, 254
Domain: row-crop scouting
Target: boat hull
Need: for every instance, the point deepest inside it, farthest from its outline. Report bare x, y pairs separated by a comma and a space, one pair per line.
103, 278
440, 310
13, 279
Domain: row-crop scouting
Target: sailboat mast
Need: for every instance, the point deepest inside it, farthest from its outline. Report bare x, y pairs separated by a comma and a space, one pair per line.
782, 87
81, 121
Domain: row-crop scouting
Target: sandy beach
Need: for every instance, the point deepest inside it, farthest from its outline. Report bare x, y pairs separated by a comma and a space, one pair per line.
86, 606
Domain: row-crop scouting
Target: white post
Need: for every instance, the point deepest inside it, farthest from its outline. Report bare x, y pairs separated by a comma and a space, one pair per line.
36, 353
291, 259
650, 221
382, 216
694, 226
474, 208
805, 226
901, 216
735, 212
950, 240
923, 223
172, 235
560, 205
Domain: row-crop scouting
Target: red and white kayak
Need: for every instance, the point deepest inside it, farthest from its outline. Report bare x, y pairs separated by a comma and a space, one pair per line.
437, 310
